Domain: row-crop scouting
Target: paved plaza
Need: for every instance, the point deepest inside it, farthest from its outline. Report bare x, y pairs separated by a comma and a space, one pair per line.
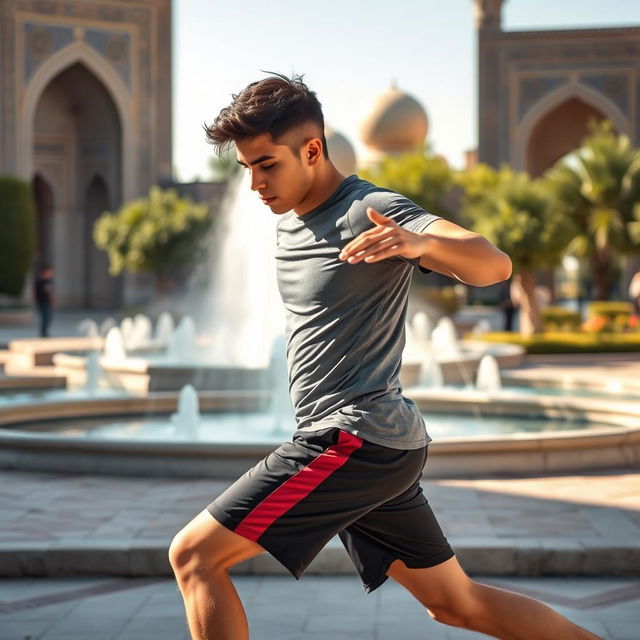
53, 521
279, 608
85, 556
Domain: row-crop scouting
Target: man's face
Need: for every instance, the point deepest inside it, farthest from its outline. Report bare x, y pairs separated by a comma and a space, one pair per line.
281, 178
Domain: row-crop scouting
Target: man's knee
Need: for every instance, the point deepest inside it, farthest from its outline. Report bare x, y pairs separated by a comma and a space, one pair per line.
205, 544
464, 611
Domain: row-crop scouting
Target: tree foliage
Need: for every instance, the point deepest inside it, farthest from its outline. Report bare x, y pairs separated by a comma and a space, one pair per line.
161, 233
422, 177
515, 213
597, 187
17, 234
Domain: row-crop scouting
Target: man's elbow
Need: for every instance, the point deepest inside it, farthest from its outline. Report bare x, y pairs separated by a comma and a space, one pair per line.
499, 271
506, 268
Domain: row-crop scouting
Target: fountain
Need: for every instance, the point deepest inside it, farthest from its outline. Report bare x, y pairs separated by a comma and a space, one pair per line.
93, 372
140, 335
88, 327
214, 403
114, 348
488, 379
106, 324
421, 326
187, 418
458, 359
181, 345
430, 376
164, 327
280, 407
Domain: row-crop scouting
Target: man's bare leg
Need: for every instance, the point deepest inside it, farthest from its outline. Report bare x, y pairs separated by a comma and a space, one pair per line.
200, 556
452, 598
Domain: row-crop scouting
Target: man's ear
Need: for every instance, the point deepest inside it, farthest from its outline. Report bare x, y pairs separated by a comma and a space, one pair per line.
313, 151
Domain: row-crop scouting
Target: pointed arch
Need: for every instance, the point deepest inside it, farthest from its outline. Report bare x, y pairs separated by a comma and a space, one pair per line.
553, 100
80, 53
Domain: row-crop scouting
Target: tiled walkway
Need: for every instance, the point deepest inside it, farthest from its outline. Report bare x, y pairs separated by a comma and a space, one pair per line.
279, 608
580, 523
592, 514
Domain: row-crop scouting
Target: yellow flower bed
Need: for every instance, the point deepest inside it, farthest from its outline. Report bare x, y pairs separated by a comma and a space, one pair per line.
564, 342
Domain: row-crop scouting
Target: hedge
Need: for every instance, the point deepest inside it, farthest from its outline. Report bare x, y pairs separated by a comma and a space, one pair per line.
562, 342
17, 234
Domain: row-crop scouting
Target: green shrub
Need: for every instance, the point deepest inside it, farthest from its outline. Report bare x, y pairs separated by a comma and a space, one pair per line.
162, 234
17, 234
560, 319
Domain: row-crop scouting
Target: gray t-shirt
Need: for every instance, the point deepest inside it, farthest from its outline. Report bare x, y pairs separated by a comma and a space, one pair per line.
346, 322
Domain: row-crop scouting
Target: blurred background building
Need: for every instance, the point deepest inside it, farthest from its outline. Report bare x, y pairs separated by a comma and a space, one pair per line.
85, 115
537, 90
86, 118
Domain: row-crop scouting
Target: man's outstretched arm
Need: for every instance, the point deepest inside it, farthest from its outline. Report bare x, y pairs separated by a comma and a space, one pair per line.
445, 247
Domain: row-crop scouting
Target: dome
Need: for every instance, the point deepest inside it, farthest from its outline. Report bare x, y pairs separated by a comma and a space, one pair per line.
341, 152
396, 122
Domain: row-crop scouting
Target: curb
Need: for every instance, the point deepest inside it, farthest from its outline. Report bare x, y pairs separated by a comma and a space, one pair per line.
144, 558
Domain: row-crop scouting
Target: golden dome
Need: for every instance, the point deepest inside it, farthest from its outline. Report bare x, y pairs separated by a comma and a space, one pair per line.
341, 152
397, 122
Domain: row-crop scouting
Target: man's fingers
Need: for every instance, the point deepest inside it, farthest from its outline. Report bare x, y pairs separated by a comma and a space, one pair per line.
393, 250
374, 249
376, 217
364, 240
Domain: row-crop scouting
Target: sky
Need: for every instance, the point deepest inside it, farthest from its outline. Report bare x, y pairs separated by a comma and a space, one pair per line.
349, 51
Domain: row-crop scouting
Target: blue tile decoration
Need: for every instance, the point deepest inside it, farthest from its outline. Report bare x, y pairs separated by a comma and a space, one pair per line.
41, 41
532, 89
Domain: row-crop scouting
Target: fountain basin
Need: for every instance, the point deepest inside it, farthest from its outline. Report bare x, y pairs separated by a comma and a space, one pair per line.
464, 368
615, 444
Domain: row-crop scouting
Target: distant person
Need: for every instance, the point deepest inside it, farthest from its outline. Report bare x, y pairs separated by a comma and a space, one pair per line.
43, 295
634, 292
507, 305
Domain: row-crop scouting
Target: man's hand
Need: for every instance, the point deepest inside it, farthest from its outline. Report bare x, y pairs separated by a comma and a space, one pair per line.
386, 239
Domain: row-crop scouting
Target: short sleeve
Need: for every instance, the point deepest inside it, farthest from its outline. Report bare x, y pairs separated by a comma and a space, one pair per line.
405, 212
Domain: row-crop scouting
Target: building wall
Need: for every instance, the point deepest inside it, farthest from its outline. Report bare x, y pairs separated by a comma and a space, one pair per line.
525, 75
126, 46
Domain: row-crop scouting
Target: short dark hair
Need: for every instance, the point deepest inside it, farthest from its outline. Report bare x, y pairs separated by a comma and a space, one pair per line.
275, 105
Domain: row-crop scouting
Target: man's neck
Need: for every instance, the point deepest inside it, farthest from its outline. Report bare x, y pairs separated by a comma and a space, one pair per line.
328, 180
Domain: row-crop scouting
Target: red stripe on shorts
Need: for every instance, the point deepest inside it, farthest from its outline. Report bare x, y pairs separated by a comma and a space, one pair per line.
297, 487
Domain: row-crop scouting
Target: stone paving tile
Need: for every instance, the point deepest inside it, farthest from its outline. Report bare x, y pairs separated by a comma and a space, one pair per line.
281, 609
498, 507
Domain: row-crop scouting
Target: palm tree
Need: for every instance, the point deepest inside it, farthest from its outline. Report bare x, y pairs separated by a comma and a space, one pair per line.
598, 187
514, 212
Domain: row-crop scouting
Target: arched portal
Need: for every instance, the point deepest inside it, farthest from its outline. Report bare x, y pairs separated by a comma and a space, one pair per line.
558, 132
77, 135
45, 206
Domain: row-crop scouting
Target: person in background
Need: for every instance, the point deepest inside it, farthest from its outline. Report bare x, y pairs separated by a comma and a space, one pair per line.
634, 292
43, 297
506, 305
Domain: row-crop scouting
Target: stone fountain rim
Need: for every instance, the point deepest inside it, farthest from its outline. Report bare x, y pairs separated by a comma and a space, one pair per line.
626, 416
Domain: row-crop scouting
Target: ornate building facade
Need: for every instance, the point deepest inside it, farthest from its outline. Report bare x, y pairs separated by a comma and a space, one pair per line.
85, 116
537, 90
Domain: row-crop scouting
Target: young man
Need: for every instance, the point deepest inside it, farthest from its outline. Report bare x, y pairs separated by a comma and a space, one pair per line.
345, 253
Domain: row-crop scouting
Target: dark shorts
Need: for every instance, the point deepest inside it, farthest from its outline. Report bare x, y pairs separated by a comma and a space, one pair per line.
331, 482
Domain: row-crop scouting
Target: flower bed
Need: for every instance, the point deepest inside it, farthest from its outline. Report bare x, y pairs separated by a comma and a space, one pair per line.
565, 342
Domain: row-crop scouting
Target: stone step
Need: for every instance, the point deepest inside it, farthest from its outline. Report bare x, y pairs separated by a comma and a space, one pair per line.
478, 556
